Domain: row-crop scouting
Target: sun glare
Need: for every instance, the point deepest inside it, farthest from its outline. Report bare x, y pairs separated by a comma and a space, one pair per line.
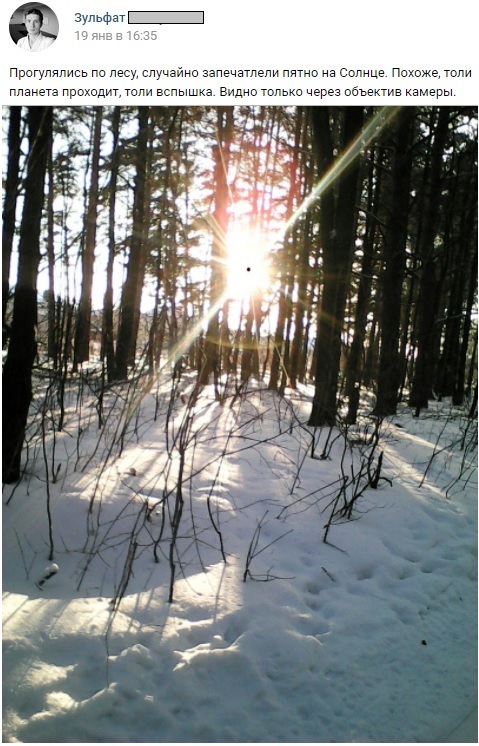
247, 266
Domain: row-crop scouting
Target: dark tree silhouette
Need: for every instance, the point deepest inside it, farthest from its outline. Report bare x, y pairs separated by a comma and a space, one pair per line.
394, 263
430, 271
132, 288
82, 335
108, 350
337, 230
221, 150
10, 203
354, 364
17, 373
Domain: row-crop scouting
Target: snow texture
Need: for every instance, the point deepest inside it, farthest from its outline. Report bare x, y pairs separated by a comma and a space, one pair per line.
371, 637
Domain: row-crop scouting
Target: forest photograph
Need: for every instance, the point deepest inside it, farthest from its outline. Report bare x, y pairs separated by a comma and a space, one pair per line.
239, 411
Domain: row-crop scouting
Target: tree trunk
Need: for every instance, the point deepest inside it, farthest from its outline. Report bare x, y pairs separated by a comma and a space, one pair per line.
82, 334
301, 305
10, 205
337, 231
287, 271
394, 266
284, 305
17, 374
126, 345
459, 384
52, 350
429, 284
212, 355
108, 351
353, 370
460, 273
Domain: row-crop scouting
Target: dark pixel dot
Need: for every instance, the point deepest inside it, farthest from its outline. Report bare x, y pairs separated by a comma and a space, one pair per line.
248, 269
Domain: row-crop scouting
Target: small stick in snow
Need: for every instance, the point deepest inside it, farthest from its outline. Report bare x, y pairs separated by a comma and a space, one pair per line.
48, 573
327, 573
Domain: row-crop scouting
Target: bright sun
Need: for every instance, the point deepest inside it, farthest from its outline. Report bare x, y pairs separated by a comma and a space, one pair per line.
246, 264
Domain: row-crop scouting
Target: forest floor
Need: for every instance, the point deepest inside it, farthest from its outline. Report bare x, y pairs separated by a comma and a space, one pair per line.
370, 637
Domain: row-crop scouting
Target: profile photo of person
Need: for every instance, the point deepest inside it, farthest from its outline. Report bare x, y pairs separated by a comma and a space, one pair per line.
34, 27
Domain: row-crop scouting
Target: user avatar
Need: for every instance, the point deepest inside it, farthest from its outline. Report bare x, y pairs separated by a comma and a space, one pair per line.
34, 27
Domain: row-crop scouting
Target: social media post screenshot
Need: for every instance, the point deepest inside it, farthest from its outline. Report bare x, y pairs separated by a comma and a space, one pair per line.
239, 336
259, 53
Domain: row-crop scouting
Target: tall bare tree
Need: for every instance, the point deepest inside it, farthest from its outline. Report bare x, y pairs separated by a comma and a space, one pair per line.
394, 263
82, 334
132, 288
356, 353
108, 351
337, 230
430, 270
17, 373
221, 152
10, 203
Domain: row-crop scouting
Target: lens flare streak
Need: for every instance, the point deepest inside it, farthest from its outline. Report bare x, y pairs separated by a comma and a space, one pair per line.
380, 120
370, 132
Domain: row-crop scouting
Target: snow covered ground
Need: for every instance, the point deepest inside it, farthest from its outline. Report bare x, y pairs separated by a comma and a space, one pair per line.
371, 637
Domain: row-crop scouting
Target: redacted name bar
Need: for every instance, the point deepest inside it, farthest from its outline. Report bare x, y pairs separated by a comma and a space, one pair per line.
166, 16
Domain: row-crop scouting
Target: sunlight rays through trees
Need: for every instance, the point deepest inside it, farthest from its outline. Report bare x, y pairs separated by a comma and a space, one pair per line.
290, 244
